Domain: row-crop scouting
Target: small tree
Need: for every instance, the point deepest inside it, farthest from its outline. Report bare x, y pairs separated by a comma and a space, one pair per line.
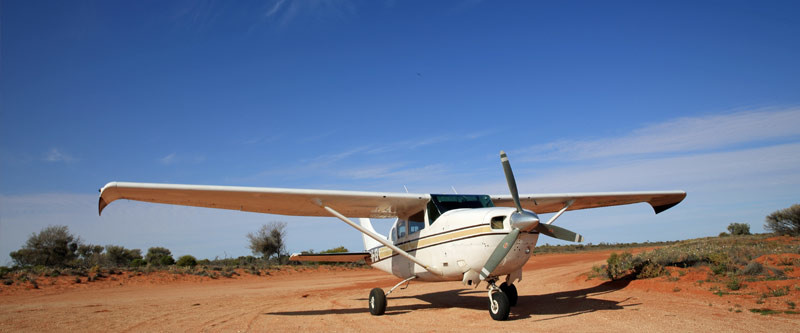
736, 229
785, 221
54, 246
91, 255
120, 256
159, 256
186, 260
268, 241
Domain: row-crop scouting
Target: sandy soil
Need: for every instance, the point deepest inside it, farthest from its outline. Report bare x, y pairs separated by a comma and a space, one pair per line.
555, 295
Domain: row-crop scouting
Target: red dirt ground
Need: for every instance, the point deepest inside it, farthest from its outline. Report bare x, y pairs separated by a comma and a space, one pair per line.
555, 295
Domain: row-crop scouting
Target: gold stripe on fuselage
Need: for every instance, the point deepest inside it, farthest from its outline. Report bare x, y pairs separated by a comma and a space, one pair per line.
385, 252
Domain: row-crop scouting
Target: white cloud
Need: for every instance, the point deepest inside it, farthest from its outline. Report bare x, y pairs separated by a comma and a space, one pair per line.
396, 171
167, 160
56, 155
174, 158
275, 8
682, 135
285, 11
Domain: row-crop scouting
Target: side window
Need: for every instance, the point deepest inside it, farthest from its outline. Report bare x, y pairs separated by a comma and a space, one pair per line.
497, 222
394, 235
416, 222
401, 228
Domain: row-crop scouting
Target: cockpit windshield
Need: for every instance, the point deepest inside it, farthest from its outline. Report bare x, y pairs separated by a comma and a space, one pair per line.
441, 203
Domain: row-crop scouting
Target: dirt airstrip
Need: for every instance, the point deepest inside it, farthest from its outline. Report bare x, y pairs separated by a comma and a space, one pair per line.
555, 295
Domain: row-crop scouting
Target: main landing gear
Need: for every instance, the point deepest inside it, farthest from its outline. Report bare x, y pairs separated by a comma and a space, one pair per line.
501, 299
377, 299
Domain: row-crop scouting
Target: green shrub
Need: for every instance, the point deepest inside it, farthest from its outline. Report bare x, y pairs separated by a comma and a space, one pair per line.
734, 284
186, 260
651, 270
138, 262
340, 249
783, 291
738, 229
3, 271
166, 261
120, 256
159, 256
753, 268
620, 265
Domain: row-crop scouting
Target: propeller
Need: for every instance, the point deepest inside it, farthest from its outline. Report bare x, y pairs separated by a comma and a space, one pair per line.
521, 221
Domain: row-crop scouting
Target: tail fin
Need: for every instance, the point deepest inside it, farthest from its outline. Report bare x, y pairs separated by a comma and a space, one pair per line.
368, 241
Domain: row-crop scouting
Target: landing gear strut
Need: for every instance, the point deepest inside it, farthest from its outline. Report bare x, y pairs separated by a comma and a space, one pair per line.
377, 299
499, 303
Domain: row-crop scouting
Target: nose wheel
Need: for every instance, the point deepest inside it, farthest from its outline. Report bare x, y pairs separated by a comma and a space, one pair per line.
511, 292
499, 304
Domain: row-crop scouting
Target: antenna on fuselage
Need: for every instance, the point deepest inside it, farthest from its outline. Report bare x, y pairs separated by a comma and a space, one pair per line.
405, 188
454, 189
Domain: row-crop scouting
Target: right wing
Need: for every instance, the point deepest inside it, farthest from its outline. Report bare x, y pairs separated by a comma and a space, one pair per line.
268, 200
551, 203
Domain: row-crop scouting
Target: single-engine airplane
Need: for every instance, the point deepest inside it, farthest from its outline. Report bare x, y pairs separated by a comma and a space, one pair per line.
436, 237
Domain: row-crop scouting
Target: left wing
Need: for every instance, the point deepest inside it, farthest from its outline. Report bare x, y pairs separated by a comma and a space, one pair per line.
268, 200
551, 203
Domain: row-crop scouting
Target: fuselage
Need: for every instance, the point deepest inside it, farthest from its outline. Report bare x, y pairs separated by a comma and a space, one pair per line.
457, 242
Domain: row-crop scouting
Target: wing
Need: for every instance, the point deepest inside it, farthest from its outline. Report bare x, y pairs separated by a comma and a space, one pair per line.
550, 203
268, 200
332, 257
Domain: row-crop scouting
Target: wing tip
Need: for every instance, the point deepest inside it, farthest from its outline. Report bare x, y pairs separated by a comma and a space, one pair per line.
100, 206
102, 203
662, 207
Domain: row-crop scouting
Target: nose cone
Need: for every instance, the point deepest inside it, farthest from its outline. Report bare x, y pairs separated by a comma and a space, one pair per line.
524, 221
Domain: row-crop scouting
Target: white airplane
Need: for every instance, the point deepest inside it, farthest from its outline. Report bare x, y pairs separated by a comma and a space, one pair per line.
436, 237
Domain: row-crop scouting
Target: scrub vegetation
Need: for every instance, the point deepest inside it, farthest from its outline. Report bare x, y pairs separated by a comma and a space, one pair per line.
761, 266
54, 252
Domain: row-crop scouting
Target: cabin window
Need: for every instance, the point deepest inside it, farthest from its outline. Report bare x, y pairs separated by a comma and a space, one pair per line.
394, 235
401, 228
445, 202
416, 222
497, 222
433, 212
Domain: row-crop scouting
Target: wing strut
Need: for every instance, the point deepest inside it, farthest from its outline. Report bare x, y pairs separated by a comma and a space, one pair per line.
566, 205
380, 239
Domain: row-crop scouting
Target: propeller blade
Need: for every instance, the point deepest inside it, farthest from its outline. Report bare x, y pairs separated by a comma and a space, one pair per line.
499, 253
512, 184
558, 232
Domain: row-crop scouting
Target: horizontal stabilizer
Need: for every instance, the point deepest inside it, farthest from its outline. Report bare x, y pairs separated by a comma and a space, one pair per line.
331, 257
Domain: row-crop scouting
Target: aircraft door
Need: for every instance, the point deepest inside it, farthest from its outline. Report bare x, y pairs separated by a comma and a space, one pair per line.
401, 266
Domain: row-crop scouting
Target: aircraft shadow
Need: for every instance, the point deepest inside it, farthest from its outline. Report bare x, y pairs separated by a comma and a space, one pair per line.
564, 304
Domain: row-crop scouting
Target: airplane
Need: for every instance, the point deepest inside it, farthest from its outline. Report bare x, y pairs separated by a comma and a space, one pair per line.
435, 237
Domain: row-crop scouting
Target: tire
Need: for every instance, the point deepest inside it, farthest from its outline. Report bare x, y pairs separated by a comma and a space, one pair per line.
511, 292
377, 302
498, 306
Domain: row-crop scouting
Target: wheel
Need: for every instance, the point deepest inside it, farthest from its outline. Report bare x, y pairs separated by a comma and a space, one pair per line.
498, 306
511, 292
377, 302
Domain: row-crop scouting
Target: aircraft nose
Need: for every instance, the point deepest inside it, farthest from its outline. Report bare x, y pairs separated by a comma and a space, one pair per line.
524, 221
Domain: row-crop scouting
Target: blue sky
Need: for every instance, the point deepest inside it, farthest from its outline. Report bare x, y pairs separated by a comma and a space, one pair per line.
702, 96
